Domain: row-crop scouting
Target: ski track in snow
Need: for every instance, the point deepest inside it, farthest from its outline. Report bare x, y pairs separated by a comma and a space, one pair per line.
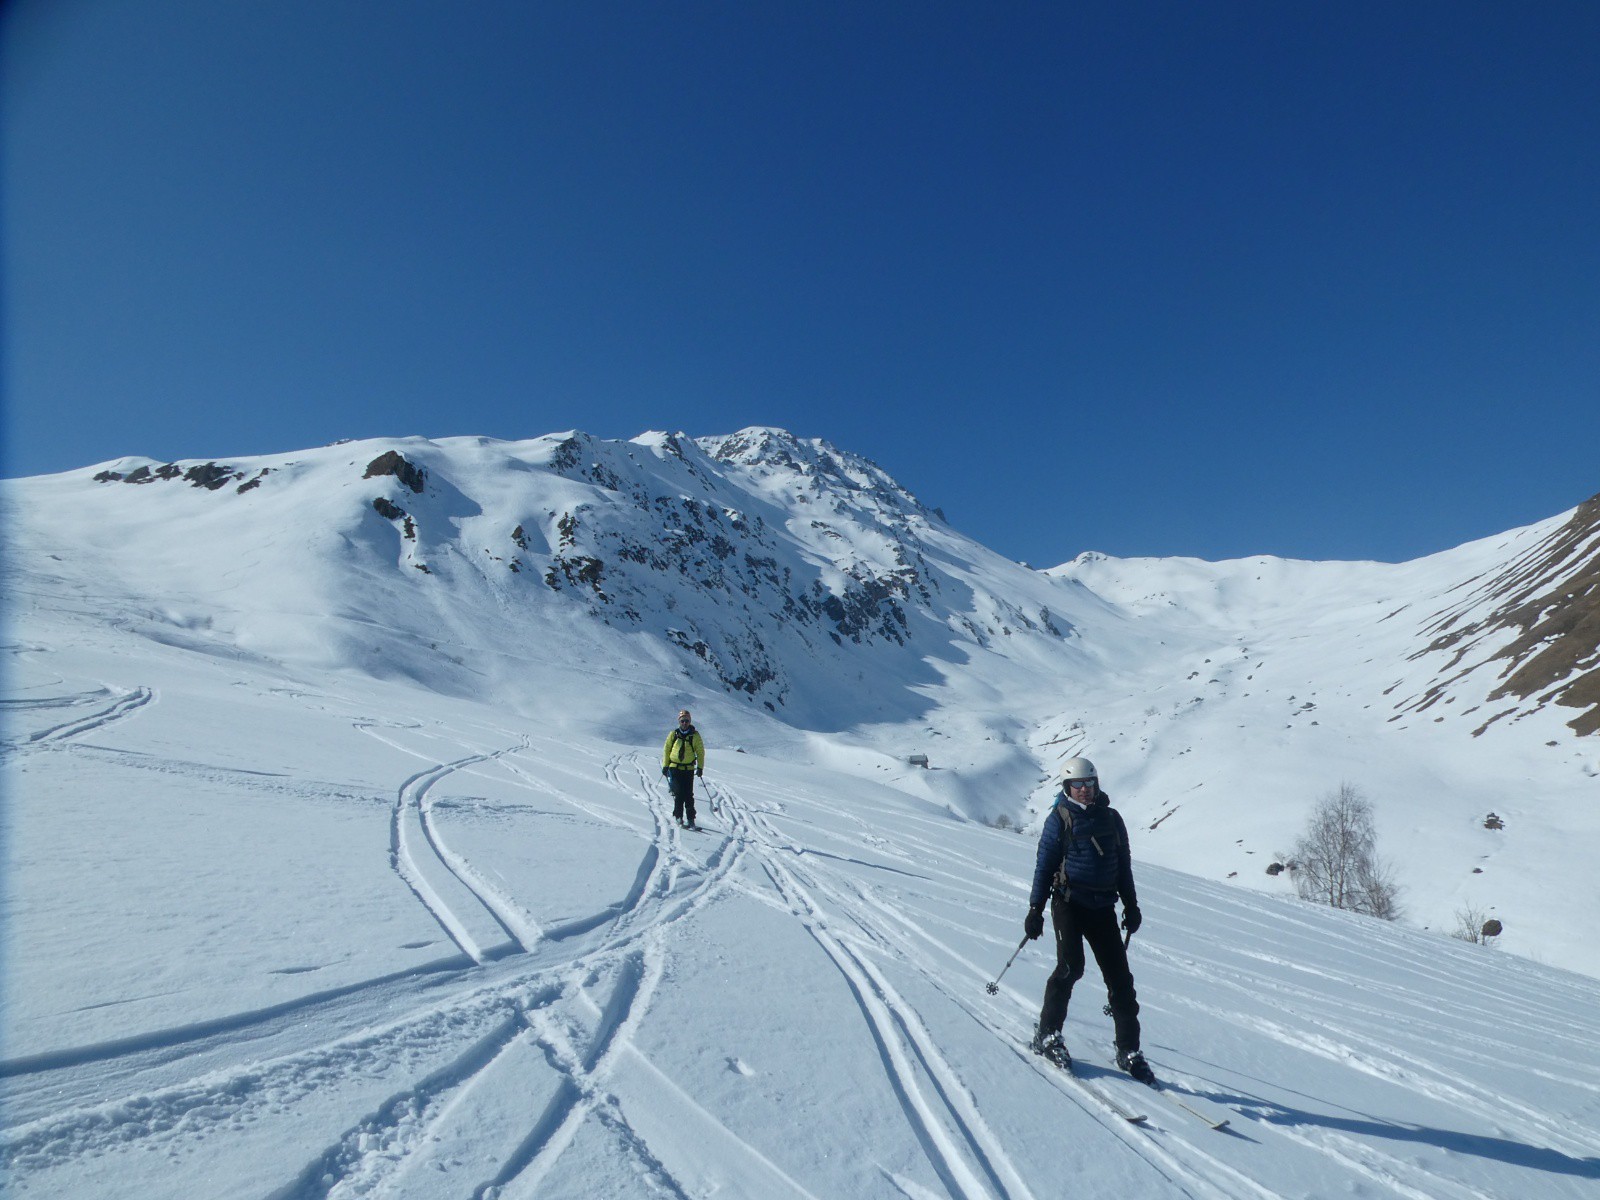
1195, 1171
1345, 1042
414, 1141
121, 705
218, 1095
484, 923
530, 1037
966, 1154
963, 1150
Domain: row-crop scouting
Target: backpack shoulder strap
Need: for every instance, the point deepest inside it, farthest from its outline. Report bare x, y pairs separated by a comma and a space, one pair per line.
1062, 883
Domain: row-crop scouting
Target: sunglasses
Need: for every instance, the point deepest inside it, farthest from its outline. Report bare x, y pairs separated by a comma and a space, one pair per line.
1080, 783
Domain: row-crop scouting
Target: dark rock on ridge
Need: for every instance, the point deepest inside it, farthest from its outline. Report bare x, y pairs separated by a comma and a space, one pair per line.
394, 463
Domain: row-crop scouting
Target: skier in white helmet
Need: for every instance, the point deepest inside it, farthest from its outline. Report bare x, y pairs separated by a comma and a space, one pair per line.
1083, 869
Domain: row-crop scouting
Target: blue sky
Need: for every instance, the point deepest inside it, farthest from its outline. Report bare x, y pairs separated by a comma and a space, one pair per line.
1146, 278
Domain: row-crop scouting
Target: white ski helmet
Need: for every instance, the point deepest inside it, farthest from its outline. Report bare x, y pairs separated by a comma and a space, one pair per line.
1078, 769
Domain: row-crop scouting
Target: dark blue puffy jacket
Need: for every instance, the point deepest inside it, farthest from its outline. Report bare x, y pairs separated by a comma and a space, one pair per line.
1099, 867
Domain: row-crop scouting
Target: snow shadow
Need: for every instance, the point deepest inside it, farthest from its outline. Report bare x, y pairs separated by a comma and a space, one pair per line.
1512, 1153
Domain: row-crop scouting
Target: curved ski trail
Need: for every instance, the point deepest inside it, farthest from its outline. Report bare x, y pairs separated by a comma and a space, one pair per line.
123, 704
485, 926
495, 1123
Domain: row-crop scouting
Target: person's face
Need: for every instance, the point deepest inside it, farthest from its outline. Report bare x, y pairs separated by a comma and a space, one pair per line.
1081, 790
683, 722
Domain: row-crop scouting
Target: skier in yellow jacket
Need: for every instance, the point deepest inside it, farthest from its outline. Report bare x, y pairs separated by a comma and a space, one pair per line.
682, 759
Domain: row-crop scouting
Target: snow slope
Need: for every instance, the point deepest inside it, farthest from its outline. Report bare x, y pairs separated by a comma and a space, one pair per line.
300, 932
1279, 680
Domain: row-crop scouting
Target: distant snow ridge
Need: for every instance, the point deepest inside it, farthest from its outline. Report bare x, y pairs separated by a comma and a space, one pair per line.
769, 564
770, 567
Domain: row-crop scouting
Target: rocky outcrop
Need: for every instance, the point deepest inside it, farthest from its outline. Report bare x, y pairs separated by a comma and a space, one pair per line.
394, 463
746, 596
211, 476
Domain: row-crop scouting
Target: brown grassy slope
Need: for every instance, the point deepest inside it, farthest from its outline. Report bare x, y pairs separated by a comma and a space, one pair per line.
1551, 600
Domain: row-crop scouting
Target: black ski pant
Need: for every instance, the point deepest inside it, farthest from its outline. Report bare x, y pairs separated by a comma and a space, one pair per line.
1075, 924
682, 785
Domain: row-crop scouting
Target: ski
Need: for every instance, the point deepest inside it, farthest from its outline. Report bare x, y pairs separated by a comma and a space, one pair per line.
1199, 1109
1069, 1075
1116, 1079
1106, 1099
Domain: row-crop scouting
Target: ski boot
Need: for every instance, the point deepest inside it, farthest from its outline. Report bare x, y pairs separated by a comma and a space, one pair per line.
1050, 1046
1134, 1064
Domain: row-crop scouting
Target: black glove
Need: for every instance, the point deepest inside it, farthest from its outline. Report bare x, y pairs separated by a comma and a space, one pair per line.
1132, 918
699, 774
663, 772
1033, 923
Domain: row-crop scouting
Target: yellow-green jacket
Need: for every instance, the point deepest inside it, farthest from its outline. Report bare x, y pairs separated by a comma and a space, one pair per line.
684, 752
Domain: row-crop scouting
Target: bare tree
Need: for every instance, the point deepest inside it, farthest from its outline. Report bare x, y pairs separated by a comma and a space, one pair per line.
1470, 923
1336, 859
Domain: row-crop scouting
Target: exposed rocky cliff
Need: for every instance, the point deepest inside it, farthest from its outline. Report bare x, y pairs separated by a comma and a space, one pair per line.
1536, 622
753, 547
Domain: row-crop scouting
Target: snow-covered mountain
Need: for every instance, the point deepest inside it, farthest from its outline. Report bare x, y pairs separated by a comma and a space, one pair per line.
759, 565
816, 610
338, 863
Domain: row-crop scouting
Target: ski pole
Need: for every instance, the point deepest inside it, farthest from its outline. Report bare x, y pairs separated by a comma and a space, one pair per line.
993, 988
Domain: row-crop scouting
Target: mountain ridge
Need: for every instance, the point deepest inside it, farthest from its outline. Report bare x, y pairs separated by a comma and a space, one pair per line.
877, 561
